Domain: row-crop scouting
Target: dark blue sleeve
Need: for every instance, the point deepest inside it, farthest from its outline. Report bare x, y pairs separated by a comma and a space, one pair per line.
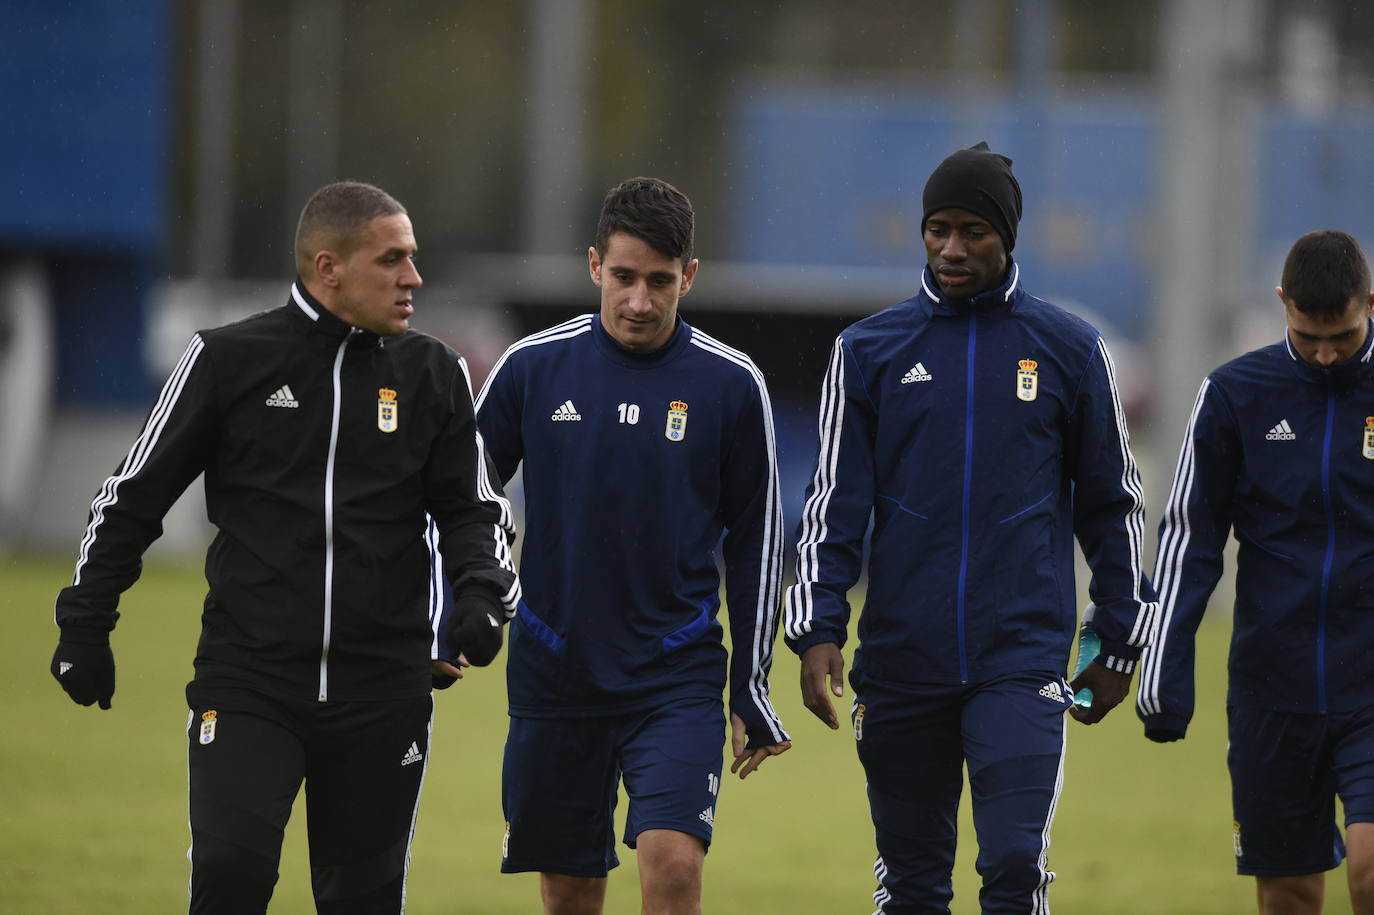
839, 502
1109, 515
751, 509
499, 408
1192, 535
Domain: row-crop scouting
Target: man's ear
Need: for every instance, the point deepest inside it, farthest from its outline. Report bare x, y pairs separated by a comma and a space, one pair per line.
1278, 291
328, 266
594, 265
689, 273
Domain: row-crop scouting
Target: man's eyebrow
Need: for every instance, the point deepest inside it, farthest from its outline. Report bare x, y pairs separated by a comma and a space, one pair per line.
652, 274
1306, 336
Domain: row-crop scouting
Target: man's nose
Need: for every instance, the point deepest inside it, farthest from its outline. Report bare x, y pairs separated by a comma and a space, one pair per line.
1326, 354
411, 278
639, 297
953, 248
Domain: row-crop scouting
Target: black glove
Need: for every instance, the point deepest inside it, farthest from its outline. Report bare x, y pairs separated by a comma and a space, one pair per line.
474, 627
84, 666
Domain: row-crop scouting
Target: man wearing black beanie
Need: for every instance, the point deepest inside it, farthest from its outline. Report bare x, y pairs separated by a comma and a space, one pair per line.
979, 429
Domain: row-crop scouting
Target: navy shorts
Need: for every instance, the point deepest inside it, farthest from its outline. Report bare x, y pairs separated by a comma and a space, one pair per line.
1286, 772
561, 778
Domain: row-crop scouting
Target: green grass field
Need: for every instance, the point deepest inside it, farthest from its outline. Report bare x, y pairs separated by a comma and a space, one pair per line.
93, 818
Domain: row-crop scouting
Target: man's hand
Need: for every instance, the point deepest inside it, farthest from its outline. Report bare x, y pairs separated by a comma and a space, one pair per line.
1109, 688
747, 761
443, 674
474, 628
818, 662
84, 666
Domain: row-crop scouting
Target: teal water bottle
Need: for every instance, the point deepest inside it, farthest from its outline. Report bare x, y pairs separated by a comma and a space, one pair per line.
1088, 646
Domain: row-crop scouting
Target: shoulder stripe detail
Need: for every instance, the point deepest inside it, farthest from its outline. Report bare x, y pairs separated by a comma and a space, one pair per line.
143, 445
1174, 535
771, 555
800, 609
575, 327
711, 344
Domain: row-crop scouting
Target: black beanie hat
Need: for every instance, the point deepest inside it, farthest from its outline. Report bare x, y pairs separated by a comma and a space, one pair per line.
980, 181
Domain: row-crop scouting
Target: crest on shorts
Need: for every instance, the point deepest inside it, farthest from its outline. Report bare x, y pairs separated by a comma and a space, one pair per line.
1368, 449
207, 727
386, 410
859, 722
676, 430
1026, 384
1236, 838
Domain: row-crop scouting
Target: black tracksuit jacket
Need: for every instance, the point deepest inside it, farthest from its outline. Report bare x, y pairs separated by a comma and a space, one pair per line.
324, 448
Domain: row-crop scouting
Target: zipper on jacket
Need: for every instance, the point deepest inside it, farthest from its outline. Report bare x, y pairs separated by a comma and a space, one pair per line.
1330, 551
329, 515
968, 496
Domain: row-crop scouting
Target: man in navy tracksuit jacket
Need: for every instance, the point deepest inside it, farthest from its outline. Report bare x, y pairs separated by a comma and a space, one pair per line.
980, 429
329, 436
1280, 451
642, 440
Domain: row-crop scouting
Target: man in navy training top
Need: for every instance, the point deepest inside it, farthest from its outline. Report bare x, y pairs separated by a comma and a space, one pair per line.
642, 440
1280, 450
980, 429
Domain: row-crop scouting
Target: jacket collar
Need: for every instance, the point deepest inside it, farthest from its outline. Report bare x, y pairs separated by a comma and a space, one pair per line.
318, 320
1000, 299
1343, 375
637, 359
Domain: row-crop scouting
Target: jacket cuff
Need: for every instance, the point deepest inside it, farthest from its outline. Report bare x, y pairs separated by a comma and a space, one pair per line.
816, 637
1165, 726
757, 732
1118, 656
77, 635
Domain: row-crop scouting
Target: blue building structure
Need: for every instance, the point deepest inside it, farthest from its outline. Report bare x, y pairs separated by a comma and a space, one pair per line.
85, 109
828, 175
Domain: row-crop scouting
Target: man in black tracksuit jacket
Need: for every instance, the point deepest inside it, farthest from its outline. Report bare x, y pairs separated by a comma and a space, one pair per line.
329, 434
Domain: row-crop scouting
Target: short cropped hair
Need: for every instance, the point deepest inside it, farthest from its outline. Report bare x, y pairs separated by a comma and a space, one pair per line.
334, 218
651, 210
1323, 272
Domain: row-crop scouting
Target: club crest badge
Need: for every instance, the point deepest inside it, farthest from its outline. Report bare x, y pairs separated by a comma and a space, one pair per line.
207, 727
1236, 839
386, 410
1368, 449
859, 722
1026, 385
676, 430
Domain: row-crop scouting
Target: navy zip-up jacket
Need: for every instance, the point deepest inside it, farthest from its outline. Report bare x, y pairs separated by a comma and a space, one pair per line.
1281, 453
980, 436
326, 450
635, 464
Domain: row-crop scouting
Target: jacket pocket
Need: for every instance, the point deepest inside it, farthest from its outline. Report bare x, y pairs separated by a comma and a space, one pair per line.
539, 629
689, 633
